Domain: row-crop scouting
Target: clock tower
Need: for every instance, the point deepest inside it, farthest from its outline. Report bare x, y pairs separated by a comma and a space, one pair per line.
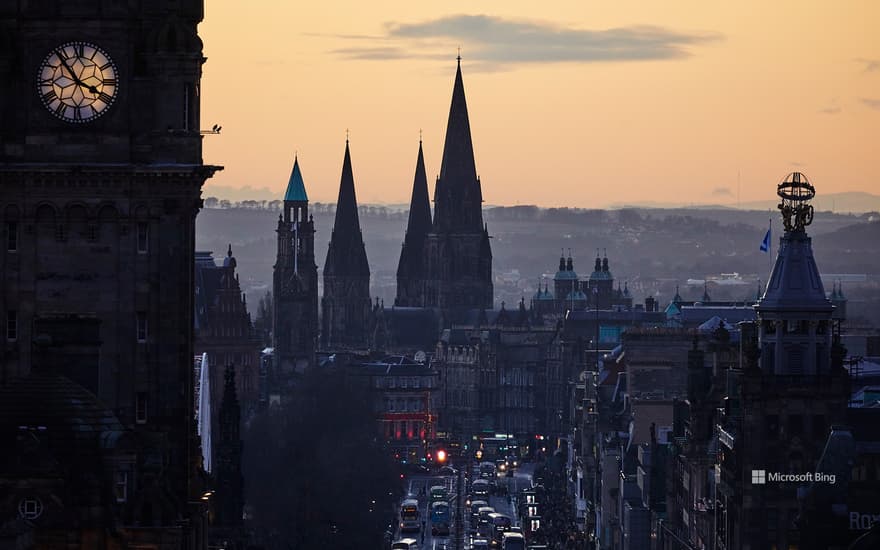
100, 183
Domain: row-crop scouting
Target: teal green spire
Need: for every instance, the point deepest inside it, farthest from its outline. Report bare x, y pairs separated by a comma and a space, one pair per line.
296, 189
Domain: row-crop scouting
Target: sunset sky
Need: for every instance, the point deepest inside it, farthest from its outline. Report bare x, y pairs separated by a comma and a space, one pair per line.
572, 103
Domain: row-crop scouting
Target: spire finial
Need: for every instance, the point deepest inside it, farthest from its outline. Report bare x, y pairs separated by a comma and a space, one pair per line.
229, 250
458, 58
420, 136
604, 252
346, 136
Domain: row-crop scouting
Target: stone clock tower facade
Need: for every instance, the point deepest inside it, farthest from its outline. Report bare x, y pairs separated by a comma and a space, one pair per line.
100, 183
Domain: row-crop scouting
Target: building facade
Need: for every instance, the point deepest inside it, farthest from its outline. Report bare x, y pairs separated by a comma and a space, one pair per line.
100, 181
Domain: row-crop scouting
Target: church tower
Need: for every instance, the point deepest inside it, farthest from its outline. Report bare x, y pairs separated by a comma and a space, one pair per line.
458, 266
411, 268
100, 182
295, 282
345, 305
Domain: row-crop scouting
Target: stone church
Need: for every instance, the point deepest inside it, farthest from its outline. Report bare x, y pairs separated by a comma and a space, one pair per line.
100, 182
446, 262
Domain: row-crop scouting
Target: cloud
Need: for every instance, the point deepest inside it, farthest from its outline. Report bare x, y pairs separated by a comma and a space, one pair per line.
492, 42
871, 65
872, 103
831, 110
722, 192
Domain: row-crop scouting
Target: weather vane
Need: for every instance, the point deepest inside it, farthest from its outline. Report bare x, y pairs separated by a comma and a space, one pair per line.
795, 193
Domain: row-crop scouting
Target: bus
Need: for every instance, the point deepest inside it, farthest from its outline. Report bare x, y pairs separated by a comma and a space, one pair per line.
410, 518
438, 493
440, 519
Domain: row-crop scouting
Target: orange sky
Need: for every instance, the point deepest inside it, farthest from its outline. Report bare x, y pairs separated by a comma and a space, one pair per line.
596, 103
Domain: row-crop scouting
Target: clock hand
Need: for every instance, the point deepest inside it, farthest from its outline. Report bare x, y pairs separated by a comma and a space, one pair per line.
76, 79
69, 70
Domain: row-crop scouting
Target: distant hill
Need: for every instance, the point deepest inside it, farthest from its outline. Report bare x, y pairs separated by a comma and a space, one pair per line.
852, 201
236, 194
651, 249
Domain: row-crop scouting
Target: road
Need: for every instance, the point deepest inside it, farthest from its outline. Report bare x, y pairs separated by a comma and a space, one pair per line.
419, 487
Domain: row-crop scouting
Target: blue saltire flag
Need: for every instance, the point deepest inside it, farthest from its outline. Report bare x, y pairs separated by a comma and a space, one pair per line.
765, 244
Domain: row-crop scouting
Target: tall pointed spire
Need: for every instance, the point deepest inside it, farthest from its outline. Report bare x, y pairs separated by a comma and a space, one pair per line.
458, 196
346, 255
296, 188
419, 224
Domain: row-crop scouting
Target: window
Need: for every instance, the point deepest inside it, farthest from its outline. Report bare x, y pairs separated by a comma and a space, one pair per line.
120, 485
142, 326
59, 233
12, 236
92, 232
140, 412
143, 238
187, 91
12, 325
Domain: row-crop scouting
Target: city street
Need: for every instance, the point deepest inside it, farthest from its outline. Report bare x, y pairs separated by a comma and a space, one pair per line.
419, 487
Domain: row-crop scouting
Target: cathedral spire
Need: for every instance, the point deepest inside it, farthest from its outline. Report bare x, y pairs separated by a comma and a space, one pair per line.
458, 196
419, 224
346, 255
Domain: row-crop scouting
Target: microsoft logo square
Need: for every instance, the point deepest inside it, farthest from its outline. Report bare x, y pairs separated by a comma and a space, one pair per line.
759, 477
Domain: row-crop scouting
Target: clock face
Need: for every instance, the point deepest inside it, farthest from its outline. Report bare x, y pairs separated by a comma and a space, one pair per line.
77, 82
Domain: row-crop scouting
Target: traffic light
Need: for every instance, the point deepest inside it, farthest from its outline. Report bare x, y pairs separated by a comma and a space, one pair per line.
441, 456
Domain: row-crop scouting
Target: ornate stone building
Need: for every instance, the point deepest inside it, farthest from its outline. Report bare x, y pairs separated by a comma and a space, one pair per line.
100, 183
456, 263
225, 333
295, 283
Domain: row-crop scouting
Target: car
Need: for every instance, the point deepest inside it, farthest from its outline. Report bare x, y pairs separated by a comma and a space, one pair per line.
481, 489
476, 544
475, 510
447, 471
513, 541
405, 544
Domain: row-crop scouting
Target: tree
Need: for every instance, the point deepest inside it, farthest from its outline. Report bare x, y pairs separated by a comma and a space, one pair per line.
322, 477
211, 202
